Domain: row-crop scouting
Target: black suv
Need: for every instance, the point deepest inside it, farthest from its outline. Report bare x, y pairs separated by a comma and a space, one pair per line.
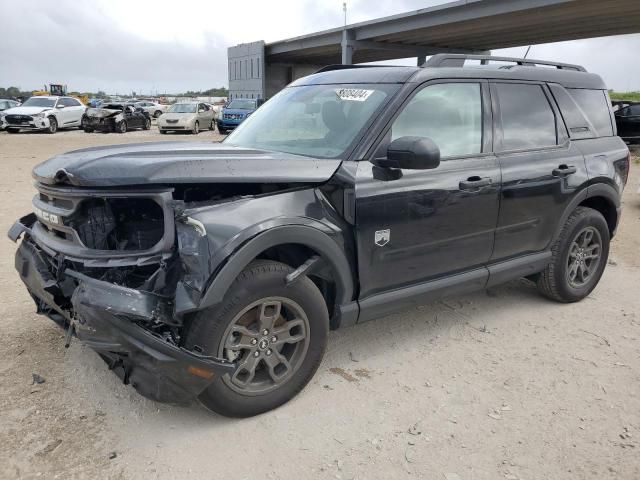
216, 270
627, 115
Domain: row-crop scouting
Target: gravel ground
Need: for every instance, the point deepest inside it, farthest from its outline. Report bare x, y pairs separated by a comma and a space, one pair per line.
498, 384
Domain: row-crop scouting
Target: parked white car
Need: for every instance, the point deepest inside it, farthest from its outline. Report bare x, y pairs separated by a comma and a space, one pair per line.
6, 104
44, 113
189, 116
152, 108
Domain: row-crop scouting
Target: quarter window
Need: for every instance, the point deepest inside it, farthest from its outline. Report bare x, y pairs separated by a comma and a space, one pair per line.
527, 118
450, 114
595, 106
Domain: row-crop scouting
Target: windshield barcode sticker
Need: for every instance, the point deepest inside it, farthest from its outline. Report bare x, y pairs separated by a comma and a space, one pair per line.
353, 94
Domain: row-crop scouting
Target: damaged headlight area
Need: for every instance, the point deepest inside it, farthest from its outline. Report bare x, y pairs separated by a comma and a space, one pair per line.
108, 271
118, 224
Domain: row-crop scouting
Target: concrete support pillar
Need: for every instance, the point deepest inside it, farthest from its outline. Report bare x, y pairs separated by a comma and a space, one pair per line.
347, 47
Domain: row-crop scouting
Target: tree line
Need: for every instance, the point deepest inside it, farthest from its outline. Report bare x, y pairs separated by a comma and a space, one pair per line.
17, 92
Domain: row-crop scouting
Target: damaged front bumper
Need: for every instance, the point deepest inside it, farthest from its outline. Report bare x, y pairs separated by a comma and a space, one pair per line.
113, 320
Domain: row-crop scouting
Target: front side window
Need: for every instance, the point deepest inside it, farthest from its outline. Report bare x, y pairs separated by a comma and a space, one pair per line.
321, 121
527, 119
450, 114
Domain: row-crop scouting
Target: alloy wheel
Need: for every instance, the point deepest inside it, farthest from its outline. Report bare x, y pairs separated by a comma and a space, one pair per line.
269, 341
584, 257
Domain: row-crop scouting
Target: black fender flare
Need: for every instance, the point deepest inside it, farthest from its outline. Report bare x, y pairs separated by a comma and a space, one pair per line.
596, 190
311, 237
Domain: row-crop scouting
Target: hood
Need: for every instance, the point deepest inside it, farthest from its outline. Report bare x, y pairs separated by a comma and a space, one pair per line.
25, 110
237, 111
176, 116
180, 162
102, 112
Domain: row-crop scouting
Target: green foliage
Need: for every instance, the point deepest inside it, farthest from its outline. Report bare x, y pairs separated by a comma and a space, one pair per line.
212, 92
13, 92
630, 96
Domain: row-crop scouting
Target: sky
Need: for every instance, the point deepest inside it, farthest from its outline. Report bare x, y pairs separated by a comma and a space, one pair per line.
149, 46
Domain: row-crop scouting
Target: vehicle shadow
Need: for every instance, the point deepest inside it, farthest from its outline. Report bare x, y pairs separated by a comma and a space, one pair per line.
370, 342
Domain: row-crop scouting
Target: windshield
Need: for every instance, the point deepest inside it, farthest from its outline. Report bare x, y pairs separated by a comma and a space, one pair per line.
315, 120
183, 108
242, 104
39, 102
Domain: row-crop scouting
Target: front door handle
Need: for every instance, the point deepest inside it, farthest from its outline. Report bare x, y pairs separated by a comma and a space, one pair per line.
564, 170
474, 182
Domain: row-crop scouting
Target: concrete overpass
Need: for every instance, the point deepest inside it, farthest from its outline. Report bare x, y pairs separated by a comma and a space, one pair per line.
259, 70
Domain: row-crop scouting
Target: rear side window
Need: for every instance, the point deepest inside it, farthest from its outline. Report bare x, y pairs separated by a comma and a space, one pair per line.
632, 110
595, 105
526, 116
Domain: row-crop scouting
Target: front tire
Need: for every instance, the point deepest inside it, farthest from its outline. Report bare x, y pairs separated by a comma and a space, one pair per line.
121, 127
147, 124
53, 125
13, 130
196, 128
276, 333
579, 257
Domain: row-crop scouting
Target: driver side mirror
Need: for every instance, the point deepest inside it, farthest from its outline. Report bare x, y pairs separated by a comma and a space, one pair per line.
59, 106
411, 153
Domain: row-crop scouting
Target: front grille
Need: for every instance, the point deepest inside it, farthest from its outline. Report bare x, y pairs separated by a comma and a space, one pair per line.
103, 219
18, 119
172, 121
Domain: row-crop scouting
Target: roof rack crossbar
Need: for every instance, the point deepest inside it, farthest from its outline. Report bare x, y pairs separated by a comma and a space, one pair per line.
459, 59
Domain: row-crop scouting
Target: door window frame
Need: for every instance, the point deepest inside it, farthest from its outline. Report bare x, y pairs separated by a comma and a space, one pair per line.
381, 143
562, 136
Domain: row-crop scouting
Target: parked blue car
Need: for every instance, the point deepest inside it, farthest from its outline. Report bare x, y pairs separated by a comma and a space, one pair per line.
235, 112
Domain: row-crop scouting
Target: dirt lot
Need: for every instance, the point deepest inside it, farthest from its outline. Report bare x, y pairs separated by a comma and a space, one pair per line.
499, 384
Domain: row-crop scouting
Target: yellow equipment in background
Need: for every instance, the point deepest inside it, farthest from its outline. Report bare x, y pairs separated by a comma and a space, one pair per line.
59, 90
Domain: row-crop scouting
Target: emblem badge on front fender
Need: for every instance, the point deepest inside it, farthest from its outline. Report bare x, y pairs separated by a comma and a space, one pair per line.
382, 237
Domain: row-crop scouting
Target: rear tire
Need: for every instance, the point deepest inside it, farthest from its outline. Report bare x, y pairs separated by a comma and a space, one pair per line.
88, 130
147, 124
579, 257
260, 308
222, 131
13, 130
157, 113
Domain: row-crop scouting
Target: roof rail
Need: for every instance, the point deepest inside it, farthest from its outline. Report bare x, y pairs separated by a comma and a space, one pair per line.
341, 66
458, 60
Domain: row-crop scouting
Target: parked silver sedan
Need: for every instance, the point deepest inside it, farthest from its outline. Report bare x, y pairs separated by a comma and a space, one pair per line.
188, 116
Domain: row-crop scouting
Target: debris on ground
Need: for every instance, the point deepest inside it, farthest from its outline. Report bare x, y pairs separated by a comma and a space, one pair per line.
37, 379
112, 455
414, 429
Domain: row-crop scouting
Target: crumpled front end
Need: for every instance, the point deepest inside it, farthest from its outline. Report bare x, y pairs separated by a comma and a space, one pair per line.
102, 119
103, 266
25, 122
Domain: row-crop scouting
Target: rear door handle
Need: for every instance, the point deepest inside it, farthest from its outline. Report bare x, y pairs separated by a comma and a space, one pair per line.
564, 170
474, 182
